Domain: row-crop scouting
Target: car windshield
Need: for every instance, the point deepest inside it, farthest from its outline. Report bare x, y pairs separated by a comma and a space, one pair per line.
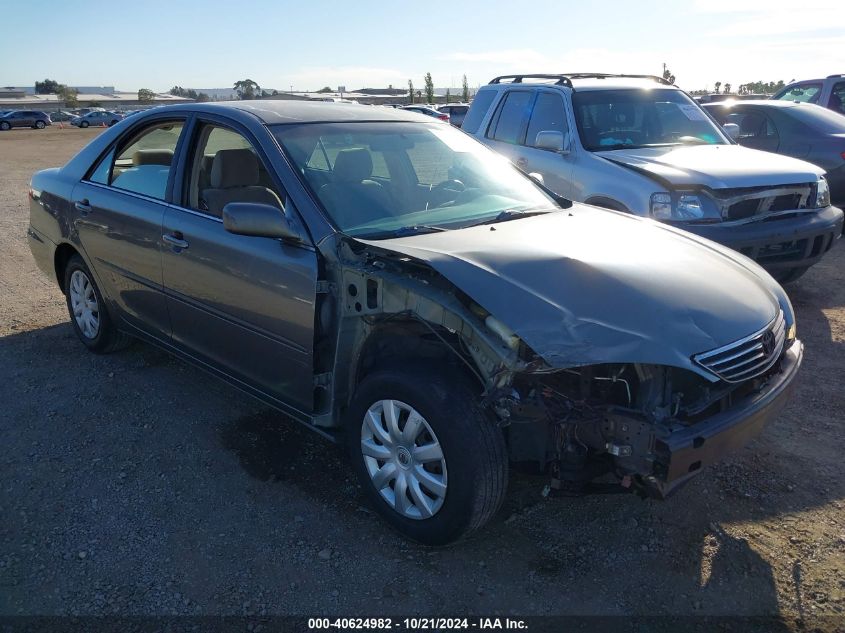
621, 119
819, 118
380, 179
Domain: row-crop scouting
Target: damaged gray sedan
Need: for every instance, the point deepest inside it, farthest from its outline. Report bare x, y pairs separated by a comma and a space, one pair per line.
393, 284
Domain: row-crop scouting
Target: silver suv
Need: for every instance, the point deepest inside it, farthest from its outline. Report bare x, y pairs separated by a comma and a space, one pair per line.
641, 145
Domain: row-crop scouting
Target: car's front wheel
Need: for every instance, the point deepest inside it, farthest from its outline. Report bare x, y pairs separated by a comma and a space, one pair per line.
40, 125
430, 460
88, 313
83, 124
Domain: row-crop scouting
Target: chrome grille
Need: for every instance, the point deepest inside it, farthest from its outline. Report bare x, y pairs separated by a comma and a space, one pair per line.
748, 357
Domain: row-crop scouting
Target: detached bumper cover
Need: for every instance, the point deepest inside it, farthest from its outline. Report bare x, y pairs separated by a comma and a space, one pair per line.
779, 243
684, 452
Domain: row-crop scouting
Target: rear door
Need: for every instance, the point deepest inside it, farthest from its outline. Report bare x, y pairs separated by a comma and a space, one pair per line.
241, 305
548, 114
118, 211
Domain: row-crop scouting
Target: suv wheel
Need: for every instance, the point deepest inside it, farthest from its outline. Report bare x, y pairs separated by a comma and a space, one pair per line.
430, 461
88, 314
40, 125
4, 125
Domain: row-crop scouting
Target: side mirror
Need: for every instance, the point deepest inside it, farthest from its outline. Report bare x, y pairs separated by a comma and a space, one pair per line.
538, 177
259, 220
732, 130
551, 140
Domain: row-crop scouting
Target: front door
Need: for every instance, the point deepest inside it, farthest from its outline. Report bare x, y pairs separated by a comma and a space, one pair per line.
242, 305
548, 114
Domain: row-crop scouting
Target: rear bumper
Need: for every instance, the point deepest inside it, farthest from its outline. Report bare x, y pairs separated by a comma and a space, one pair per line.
43, 251
779, 244
682, 454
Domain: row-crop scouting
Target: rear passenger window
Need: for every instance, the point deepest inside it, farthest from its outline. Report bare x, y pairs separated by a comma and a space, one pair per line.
143, 166
549, 115
507, 125
477, 110
226, 168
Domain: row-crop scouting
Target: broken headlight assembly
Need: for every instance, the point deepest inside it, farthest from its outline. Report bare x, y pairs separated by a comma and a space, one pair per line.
683, 206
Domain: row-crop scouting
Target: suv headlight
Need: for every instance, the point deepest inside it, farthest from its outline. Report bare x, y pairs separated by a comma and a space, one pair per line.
682, 207
822, 194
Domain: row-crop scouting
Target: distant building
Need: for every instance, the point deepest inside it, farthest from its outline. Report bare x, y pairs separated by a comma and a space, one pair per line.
18, 98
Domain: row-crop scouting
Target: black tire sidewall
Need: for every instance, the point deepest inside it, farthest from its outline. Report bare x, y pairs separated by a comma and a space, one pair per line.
83, 124
448, 405
5, 126
40, 125
105, 332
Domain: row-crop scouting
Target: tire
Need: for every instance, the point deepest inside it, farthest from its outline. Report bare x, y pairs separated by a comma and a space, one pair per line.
472, 468
88, 313
83, 124
40, 125
4, 125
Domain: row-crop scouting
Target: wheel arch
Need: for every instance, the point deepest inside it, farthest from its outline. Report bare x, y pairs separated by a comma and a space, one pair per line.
61, 257
607, 203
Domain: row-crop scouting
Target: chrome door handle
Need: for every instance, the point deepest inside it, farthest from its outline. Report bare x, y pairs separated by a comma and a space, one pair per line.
176, 240
83, 206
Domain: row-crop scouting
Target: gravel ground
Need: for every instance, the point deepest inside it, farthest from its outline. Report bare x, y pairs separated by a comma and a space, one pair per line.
134, 484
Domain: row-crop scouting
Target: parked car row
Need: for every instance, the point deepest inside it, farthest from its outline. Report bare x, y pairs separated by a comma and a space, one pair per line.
37, 119
396, 285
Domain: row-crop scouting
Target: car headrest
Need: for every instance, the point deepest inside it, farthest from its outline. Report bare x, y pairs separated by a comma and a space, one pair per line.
353, 165
152, 157
234, 168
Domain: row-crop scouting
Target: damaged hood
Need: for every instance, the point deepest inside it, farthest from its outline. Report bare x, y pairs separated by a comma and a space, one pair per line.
715, 166
584, 286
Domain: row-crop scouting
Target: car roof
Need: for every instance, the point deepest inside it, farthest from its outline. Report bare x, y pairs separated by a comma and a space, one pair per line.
273, 112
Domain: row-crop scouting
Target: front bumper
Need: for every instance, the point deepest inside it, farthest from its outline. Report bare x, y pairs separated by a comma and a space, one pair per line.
682, 453
778, 243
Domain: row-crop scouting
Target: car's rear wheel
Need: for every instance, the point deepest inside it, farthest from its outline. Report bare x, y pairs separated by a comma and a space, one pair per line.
4, 125
40, 125
429, 459
83, 124
88, 313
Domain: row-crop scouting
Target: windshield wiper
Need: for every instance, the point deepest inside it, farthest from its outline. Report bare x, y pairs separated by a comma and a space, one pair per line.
511, 214
403, 231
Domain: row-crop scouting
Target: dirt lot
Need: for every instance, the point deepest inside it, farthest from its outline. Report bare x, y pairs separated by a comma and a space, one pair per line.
135, 484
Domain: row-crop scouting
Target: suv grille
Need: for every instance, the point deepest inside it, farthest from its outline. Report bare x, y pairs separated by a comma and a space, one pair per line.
748, 357
740, 204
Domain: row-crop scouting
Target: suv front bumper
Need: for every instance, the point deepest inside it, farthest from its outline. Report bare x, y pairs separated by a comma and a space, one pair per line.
682, 453
778, 244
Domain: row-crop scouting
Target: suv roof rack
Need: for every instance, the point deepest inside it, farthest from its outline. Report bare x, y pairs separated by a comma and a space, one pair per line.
835, 75
565, 79
659, 80
561, 80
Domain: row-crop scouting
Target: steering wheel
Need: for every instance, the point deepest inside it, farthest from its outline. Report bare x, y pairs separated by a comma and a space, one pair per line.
451, 185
